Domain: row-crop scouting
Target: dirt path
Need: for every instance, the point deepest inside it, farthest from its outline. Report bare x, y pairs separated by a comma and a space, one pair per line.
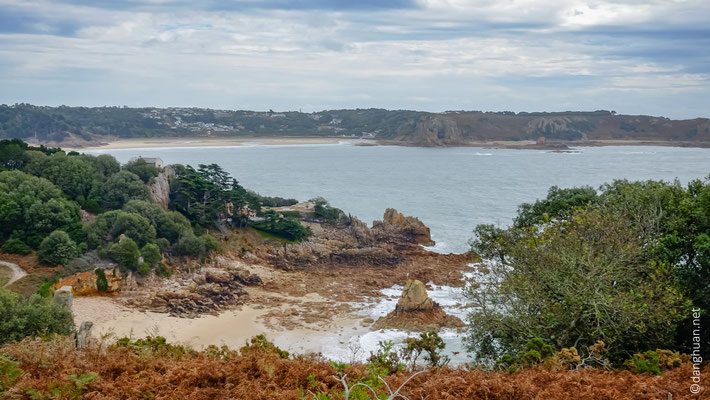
16, 272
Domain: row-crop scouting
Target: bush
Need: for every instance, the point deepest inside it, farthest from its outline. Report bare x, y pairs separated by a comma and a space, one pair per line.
101, 281
16, 246
647, 362
125, 253
144, 268
92, 206
151, 254
260, 343
44, 289
35, 315
57, 248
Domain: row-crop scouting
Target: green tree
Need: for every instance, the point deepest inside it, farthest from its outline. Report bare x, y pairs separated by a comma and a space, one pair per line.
144, 170
572, 282
101, 280
57, 248
122, 187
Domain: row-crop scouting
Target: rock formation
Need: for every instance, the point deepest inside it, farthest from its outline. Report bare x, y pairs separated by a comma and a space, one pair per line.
410, 228
160, 187
206, 292
434, 130
83, 337
64, 297
415, 311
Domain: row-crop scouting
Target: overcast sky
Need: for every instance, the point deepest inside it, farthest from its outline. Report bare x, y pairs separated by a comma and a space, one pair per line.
632, 56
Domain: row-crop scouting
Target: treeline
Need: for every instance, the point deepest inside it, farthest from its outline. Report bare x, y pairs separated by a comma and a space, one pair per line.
46, 193
627, 265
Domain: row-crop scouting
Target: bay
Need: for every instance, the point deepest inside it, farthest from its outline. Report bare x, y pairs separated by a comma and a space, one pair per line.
450, 189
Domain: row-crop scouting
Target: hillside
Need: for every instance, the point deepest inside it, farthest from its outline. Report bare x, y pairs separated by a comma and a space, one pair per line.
79, 126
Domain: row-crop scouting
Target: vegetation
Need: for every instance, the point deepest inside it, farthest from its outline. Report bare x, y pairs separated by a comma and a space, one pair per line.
286, 227
57, 248
23, 317
152, 368
623, 265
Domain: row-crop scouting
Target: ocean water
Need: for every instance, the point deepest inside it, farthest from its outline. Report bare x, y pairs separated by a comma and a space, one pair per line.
450, 189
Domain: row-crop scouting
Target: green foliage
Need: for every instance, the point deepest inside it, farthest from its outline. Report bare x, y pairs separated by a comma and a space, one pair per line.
142, 169
208, 195
109, 226
57, 248
22, 317
10, 373
122, 187
44, 289
101, 281
261, 344
151, 254
268, 201
558, 204
646, 362
155, 345
15, 246
572, 282
286, 227
429, 343
125, 253
143, 269
325, 212
386, 360
65, 390
641, 250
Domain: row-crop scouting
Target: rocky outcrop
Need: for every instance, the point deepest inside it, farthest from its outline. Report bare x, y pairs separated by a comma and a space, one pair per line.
432, 130
206, 292
410, 229
84, 283
415, 311
64, 297
352, 243
414, 298
160, 187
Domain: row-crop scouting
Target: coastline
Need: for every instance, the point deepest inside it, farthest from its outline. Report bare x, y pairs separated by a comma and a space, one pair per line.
191, 142
150, 143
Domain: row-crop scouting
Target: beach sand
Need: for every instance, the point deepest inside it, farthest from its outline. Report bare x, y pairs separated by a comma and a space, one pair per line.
205, 142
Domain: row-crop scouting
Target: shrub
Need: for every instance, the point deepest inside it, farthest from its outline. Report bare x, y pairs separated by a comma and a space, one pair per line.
151, 254
16, 246
429, 343
144, 268
125, 253
646, 362
44, 289
101, 281
260, 343
35, 315
57, 248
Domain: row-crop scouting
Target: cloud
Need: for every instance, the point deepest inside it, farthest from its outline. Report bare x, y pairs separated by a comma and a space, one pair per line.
634, 56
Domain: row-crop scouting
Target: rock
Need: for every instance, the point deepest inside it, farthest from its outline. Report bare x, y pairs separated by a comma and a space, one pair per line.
213, 275
64, 297
414, 298
160, 188
411, 229
416, 311
84, 335
433, 130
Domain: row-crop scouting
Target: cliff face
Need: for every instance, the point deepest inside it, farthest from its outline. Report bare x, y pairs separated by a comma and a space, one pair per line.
435, 130
160, 188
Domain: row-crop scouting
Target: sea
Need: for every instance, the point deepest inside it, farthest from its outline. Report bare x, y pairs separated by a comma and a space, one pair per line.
450, 189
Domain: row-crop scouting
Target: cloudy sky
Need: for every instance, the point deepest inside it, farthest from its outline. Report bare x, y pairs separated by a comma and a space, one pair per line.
632, 56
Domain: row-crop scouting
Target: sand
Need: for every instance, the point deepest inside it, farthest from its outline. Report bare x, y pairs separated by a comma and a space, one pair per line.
206, 142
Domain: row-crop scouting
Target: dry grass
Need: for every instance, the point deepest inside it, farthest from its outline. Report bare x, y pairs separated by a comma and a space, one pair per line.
176, 373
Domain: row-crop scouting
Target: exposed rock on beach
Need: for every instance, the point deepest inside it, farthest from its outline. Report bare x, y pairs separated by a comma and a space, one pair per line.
415, 311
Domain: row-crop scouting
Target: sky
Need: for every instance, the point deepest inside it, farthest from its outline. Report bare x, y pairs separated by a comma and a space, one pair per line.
631, 56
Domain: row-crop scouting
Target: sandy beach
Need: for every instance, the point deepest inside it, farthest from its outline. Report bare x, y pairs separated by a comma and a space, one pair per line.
148, 143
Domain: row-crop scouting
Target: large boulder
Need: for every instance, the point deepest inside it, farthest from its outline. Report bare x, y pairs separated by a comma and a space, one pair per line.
414, 298
160, 187
415, 311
